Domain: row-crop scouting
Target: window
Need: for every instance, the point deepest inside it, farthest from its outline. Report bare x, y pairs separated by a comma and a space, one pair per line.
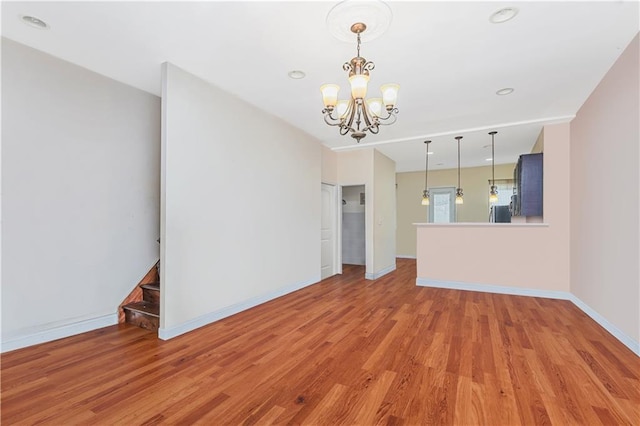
505, 191
442, 205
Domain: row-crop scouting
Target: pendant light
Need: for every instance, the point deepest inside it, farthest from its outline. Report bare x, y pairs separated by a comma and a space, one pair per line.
425, 193
493, 194
459, 194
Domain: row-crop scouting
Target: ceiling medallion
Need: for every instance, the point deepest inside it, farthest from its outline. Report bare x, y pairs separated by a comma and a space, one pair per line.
375, 13
359, 115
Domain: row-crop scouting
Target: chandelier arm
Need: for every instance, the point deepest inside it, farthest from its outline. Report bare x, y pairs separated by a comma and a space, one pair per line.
327, 119
368, 66
373, 129
389, 119
365, 113
345, 130
330, 119
351, 110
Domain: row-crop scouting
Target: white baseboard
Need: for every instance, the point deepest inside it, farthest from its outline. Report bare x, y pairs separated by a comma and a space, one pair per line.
607, 325
171, 332
57, 332
380, 273
549, 294
487, 288
405, 256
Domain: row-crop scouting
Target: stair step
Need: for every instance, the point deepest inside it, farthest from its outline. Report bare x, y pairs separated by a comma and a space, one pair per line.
144, 307
142, 314
151, 286
151, 293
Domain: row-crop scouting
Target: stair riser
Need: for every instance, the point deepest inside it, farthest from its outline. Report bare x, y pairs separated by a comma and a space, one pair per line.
152, 296
142, 320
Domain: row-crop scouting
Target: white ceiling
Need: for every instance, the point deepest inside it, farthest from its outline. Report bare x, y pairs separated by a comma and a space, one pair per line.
447, 57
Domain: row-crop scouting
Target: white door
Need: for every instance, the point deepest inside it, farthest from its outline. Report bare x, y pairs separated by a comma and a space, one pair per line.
328, 231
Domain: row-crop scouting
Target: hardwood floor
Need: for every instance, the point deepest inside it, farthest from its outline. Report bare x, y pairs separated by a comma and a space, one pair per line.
345, 351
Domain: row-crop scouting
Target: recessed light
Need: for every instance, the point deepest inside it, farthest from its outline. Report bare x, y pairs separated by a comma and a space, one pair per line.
297, 74
505, 91
503, 15
430, 153
34, 22
488, 159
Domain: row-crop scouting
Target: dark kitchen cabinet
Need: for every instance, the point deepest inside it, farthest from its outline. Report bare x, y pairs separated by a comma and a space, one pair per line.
528, 175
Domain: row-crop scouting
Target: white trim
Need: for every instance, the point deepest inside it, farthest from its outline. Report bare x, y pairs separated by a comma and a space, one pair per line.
380, 273
487, 288
546, 120
405, 256
626, 340
58, 332
482, 225
177, 330
607, 325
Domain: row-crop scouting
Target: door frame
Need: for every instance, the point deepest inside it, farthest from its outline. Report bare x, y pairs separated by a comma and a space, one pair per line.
366, 224
336, 220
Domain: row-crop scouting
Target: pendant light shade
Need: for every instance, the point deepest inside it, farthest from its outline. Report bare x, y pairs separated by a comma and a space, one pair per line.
425, 194
493, 193
459, 194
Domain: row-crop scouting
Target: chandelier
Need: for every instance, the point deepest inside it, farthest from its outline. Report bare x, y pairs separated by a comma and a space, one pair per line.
359, 115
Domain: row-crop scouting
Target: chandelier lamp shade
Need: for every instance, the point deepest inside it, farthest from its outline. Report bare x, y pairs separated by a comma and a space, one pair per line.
359, 115
493, 193
425, 194
459, 194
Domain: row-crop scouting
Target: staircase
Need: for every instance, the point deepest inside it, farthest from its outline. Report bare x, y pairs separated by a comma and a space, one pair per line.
145, 313
142, 306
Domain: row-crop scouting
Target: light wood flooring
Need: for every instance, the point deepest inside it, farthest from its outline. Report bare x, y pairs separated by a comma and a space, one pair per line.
344, 351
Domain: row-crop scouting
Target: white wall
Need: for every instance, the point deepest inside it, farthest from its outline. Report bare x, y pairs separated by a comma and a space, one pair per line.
384, 205
605, 241
329, 165
80, 195
240, 204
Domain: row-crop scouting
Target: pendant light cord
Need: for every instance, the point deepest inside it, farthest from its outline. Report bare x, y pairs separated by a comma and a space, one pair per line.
493, 160
458, 162
426, 165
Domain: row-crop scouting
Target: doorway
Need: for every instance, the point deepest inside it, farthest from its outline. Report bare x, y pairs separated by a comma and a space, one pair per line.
353, 225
